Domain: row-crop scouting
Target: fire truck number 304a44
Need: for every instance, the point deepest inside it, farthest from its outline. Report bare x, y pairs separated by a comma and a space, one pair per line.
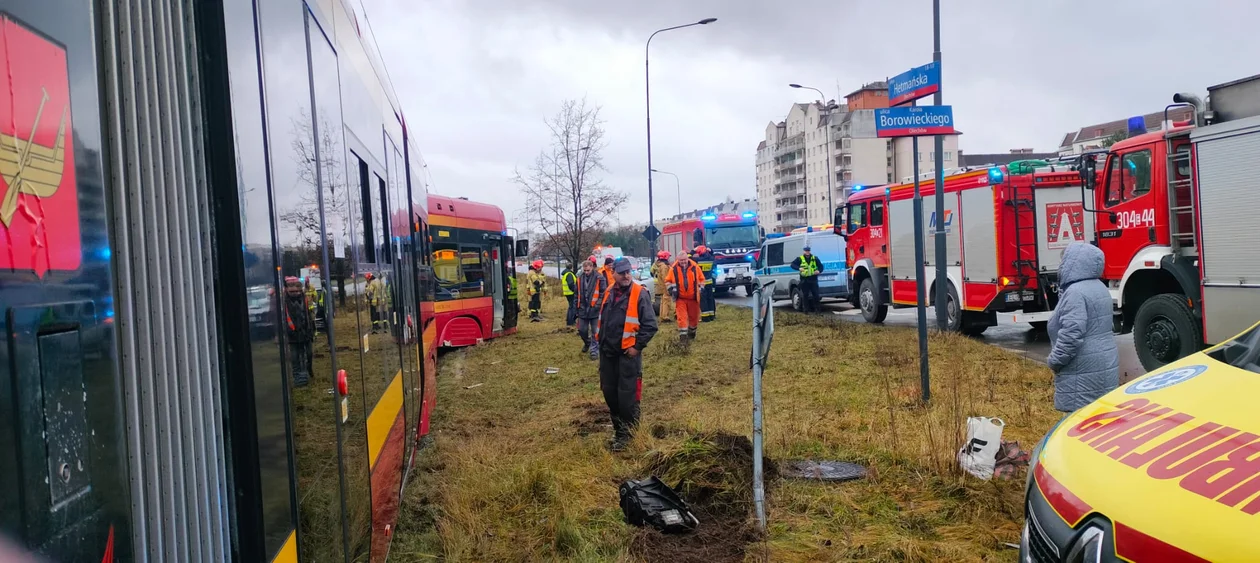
1135, 219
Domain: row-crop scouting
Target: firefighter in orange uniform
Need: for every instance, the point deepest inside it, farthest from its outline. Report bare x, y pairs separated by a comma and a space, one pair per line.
626, 324
685, 281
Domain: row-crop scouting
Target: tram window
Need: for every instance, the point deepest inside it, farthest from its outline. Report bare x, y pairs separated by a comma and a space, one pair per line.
473, 265
365, 199
387, 247
446, 270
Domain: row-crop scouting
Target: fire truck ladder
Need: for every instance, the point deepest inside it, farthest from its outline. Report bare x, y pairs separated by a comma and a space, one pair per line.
1180, 200
1025, 229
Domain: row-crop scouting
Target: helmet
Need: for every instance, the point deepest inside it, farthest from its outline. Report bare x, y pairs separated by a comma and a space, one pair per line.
662, 255
537, 265
592, 259
701, 249
368, 275
291, 279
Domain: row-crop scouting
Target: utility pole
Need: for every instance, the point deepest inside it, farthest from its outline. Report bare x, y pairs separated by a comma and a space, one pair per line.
942, 275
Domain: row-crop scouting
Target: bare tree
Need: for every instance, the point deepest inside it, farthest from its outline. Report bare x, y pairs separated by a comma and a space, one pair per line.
563, 193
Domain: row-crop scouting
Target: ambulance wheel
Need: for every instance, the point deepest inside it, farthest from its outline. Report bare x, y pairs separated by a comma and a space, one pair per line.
1165, 330
797, 305
874, 310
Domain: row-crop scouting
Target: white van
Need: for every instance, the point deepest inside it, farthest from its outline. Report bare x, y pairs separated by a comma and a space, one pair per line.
777, 254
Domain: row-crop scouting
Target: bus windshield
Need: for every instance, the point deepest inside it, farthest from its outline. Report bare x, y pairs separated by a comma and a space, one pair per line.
740, 236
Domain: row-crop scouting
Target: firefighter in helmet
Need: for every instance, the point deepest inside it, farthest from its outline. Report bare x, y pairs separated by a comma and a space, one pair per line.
660, 270
301, 327
536, 284
376, 302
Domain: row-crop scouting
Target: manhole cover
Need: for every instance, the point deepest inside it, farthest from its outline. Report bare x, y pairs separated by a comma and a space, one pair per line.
823, 470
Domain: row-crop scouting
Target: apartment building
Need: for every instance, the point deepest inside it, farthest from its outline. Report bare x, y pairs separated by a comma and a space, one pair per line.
819, 140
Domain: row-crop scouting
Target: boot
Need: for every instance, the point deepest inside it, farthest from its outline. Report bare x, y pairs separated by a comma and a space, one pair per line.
586, 347
691, 334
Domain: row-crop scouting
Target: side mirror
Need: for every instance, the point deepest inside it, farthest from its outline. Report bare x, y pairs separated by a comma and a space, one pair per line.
837, 224
762, 231
1088, 174
522, 248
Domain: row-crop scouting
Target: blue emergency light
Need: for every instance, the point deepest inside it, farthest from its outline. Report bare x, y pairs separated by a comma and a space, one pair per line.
995, 175
1137, 126
708, 217
749, 214
858, 188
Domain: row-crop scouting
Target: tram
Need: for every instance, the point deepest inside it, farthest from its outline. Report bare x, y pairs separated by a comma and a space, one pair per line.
473, 261
185, 187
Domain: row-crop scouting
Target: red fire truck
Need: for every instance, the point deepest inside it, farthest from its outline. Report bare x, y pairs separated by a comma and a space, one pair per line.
1176, 217
731, 237
992, 217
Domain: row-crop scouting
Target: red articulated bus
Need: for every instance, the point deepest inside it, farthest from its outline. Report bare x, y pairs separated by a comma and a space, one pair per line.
472, 259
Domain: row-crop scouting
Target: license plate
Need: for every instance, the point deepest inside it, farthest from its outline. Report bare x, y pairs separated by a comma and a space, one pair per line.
1012, 298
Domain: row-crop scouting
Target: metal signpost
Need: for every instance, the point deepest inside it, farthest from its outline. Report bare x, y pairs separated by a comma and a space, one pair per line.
913, 121
763, 333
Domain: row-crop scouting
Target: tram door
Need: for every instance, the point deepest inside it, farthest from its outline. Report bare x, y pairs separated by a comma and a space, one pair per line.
510, 302
498, 282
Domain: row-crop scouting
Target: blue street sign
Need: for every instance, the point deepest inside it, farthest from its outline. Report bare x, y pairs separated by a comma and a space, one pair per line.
910, 121
914, 84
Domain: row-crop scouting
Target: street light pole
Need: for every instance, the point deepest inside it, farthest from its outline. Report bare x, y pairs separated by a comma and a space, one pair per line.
831, 209
647, 98
942, 276
677, 187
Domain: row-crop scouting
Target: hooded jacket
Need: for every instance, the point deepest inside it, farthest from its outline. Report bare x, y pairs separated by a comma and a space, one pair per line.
590, 294
1083, 351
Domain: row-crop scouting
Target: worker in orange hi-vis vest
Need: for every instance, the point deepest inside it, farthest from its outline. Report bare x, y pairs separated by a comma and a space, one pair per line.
684, 282
626, 324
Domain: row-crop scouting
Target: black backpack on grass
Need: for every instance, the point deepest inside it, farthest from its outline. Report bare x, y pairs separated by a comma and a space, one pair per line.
651, 502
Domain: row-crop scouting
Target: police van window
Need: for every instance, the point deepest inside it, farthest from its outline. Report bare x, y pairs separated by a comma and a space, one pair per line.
774, 254
877, 213
857, 216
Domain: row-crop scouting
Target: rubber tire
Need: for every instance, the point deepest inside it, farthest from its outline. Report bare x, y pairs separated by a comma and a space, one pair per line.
1167, 310
795, 296
878, 310
957, 324
973, 328
748, 290
721, 291
1039, 326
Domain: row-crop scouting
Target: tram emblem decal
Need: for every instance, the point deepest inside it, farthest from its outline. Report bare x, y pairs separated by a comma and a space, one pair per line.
39, 208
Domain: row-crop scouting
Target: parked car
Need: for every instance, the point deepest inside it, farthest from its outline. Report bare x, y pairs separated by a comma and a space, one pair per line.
1160, 469
775, 263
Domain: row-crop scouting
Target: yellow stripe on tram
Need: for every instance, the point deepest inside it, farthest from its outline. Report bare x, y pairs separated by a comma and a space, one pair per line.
288, 551
381, 421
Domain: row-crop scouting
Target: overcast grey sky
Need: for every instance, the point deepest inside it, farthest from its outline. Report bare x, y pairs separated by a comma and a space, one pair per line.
477, 77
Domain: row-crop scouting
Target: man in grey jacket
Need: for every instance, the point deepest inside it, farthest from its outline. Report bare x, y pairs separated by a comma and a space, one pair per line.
627, 322
590, 293
1083, 352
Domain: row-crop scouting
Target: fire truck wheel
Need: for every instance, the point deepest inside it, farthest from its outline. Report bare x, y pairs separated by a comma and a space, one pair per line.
874, 310
1165, 330
952, 311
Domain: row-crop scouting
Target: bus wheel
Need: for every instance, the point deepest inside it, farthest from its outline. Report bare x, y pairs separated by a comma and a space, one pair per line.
874, 310
1165, 330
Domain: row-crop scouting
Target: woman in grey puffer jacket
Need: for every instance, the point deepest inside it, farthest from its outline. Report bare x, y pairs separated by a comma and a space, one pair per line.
1083, 350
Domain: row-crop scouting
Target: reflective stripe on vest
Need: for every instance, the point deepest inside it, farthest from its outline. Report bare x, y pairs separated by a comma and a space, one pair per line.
631, 326
565, 283
809, 265
682, 278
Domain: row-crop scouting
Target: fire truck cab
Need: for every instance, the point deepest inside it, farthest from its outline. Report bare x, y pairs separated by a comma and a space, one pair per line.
732, 238
1176, 214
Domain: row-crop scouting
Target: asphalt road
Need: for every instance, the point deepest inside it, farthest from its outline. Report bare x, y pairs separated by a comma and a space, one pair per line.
1020, 339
